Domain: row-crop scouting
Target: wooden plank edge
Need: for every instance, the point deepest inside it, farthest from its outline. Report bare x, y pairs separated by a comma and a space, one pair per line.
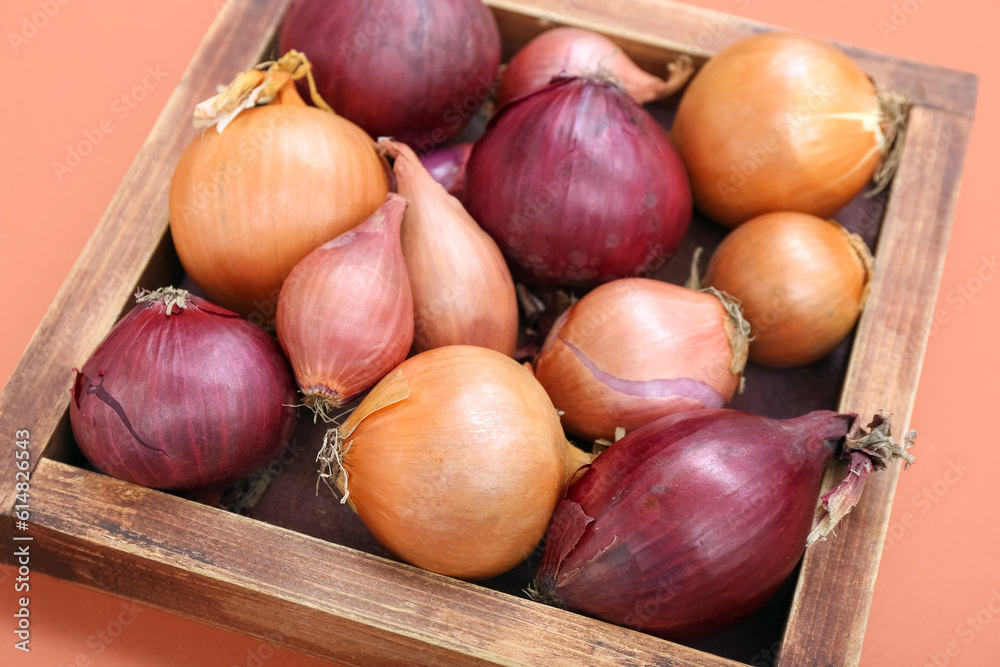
240, 575
91, 298
925, 84
838, 576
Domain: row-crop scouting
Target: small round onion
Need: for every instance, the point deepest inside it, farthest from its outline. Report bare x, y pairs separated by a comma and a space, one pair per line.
782, 122
447, 167
579, 185
415, 70
802, 281
454, 461
182, 394
635, 350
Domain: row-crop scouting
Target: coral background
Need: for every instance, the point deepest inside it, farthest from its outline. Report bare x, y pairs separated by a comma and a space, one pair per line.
940, 573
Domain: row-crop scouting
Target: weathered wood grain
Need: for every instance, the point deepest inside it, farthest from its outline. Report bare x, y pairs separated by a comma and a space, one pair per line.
650, 30
830, 610
308, 595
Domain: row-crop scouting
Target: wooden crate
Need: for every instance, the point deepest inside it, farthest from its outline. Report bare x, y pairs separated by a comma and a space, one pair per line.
335, 602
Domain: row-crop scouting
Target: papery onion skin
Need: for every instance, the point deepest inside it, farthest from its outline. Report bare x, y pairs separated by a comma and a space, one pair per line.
447, 167
414, 70
248, 203
345, 313
462, 290
802, 282
691, 523
778, 122
578, 185
191, 400
634, 350
575, 52
461, 476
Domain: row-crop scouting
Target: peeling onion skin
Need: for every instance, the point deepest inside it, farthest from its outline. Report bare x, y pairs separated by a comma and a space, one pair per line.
634, 350
578, 185
688, 525
462, 475
194, 400
757, 132
415, 79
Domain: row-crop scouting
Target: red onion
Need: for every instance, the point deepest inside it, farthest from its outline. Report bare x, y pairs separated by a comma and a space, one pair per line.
578, 185
345, 312
576, 52
693, 522
182, 394
447, 167
634, 350
415, 70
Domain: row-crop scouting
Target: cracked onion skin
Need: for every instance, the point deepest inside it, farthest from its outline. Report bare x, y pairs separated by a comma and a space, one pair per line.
690, 524
634, 350
192, 400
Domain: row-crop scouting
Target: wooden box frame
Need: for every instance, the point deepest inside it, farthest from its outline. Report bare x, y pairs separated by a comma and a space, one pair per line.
332, 602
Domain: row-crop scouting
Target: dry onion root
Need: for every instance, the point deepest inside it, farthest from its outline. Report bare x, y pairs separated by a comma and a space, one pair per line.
784, 122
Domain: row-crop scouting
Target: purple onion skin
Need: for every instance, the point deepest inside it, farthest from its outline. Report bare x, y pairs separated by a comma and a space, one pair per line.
447, 167
691, 523
415, 70
193, 400
578, 185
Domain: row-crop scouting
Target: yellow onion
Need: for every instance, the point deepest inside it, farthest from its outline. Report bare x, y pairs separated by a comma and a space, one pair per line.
576, 52
802, 281
783, 122
254, 194
635, 350
454, 461
462, 290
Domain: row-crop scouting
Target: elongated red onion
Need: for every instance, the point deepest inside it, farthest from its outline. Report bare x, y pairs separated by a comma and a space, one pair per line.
693, 522
414, 70
182, 394
634, 350
462, 290
576, 52
578, 185
345, 312
447, 167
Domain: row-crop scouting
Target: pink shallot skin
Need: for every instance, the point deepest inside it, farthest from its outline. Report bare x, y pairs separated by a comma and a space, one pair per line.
691, 523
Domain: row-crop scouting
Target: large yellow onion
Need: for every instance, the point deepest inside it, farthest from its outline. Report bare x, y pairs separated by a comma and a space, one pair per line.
454, 461
782, 122
247, 203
